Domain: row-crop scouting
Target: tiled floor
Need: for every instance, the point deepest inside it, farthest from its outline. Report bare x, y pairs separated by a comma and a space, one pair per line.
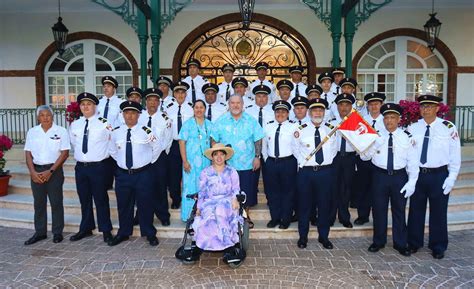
270, 264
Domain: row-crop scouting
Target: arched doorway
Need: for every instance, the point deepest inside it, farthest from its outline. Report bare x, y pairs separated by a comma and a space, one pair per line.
221, 40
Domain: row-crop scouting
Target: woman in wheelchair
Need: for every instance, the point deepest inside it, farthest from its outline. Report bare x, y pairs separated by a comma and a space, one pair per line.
216, 216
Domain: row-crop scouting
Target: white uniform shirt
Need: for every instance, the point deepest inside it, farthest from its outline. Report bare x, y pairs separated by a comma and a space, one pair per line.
217, 109
172, 112
267, 113
221, 96
285, 138
301, 89
144, 146
166, 101
161, 127
330, 97
300, 122
379, 125
444, 147
272, 96
304, 143
98, 139
349, 148
113, 114
404, 153
199, 81
335, 88
46, 147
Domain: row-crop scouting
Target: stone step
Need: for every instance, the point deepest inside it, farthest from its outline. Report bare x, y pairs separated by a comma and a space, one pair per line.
24, 219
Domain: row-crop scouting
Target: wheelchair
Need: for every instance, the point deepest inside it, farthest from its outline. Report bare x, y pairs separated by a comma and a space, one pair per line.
234, 256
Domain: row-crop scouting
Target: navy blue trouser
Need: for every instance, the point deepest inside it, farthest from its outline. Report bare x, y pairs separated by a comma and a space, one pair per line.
429, 187
130, 188
256, 176
387, 188
344, 168
159, 186
314, 184
279, 187
174, 168
111, 165
362, 187
247, 184
91, 185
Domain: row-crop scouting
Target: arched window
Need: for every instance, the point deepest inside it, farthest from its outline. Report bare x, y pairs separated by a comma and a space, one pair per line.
81, 68
403, 68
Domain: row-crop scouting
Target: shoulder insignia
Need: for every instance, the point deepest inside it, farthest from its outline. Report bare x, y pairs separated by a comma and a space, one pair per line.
291, 121
302, 126
272, 121
190, 104
332, 119
115, 128
102, 119
146, 129
334, 93
448, 123
165, 116
203, 78
223, 104
329, 125
220, 83
407, 132
170, 105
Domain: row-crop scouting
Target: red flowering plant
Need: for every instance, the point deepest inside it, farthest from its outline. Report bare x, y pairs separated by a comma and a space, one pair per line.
411, 112
5, 144
73, 112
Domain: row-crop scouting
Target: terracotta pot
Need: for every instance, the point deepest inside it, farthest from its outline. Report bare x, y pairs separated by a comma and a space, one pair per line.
4, 185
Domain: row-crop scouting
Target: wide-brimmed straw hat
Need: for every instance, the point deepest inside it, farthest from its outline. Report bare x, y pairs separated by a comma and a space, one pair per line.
229, 152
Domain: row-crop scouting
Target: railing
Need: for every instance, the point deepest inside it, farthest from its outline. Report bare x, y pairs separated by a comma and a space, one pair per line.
15, 122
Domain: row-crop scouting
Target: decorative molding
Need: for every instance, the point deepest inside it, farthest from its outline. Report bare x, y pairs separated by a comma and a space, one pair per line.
17, 73
465, 69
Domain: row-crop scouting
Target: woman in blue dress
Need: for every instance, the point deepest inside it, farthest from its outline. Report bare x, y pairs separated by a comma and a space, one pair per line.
194, 140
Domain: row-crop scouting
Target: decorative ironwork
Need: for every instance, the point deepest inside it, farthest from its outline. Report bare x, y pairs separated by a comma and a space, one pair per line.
365, 8
230, 43
246, 10
128, 11
322, 9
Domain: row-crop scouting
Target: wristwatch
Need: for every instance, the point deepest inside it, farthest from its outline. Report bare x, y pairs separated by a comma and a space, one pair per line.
51, 171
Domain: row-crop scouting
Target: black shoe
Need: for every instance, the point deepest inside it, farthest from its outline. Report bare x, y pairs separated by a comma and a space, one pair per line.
294, 218
302, 242
117, 240
107, 237
375, 248
35, 239
347, 224
314, 222
272, 224
326, 243
135, 220
153, 240
284, 225
437, 255
80, 235
360, 221
165, 223
413, 250
57, 238
402, 250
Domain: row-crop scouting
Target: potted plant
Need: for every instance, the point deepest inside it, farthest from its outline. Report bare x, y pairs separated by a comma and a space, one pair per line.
5, 144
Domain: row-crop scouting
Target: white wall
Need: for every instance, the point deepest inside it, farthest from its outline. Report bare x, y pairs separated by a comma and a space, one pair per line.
465, 89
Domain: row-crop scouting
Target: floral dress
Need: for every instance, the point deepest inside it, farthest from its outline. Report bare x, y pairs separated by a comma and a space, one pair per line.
216, 228
197, 138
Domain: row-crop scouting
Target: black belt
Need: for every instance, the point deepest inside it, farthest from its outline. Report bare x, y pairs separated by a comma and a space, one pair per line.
433, 170
281, 159
344, 154
86, 164
394, 172
134, 171
43, 166
317, 168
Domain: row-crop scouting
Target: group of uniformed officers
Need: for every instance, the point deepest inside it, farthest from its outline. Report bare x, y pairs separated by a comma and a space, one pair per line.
295, 139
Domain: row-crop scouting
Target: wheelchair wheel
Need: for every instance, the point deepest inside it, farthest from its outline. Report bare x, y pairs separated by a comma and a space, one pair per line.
188, 262
234, 265
245, 236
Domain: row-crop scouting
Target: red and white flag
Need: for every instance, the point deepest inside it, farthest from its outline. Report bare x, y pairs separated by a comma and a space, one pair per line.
358, 132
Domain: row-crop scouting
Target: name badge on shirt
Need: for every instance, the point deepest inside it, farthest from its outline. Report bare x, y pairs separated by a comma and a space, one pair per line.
55, 137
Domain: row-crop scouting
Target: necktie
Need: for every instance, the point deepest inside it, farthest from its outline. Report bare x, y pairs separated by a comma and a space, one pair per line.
317, 140
343, 145
337, 89
193, 90
373, 123
299, 121
149, 121
424, 149
106, 110
390, 155
260, 117
85, 138
209, 113
325, 96
128, 151
180, 122
297, 91
277, 141
227, 92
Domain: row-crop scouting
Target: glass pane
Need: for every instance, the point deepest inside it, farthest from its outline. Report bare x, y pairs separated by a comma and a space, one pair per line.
78, 49
390, 97
122, 65
377, 52
381, 78
370, 78
412, 62
100, 49
67, 55
57, 65
433, 62
367, 62
78, 65
389, 62
390, 77
72, 80
381, 87
360, 78
412, 46
424, 51
410, 77
112, 54
389, 46
101, 65
439, 77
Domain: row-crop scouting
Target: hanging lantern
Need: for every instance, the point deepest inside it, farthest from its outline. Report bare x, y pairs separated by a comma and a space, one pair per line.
246, 10
432, 28
60, 32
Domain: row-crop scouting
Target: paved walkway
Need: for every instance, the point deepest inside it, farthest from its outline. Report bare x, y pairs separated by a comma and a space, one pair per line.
270, 264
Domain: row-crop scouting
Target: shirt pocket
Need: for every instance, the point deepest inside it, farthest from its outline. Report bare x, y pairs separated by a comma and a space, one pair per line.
97, 133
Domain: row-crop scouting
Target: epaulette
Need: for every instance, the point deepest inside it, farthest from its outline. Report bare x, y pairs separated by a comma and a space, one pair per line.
291, 121
102, 119
121, 97
249, 106
115, 128
448, 123
223, 104
302, 126
272, 121
220, 83
170, 105
407, 132
334, 93
203, 78
146, 129
190, 104
165, 116
329, 125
